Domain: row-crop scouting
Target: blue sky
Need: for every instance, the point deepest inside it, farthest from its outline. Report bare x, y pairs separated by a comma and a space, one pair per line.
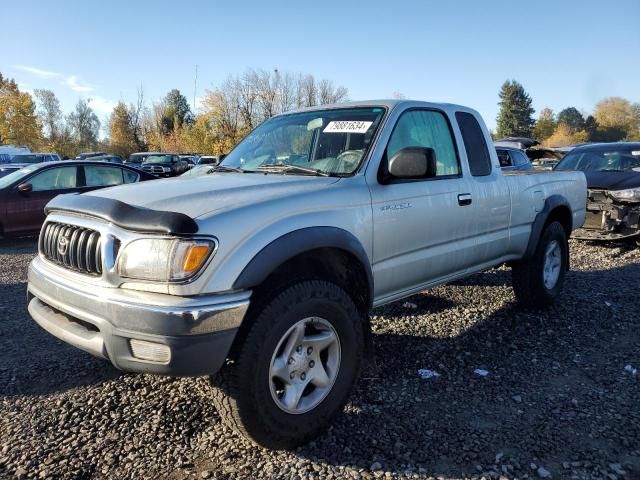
565, 53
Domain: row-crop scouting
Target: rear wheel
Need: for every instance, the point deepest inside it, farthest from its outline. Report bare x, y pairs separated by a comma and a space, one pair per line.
295, 368
538, 281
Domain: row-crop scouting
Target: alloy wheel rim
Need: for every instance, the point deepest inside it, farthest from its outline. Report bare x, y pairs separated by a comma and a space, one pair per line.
552, 265
304, 365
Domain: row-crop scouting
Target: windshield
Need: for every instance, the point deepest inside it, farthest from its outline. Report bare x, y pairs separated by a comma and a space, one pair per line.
331, 142
607, 159
17, 175
26, 159
158, 159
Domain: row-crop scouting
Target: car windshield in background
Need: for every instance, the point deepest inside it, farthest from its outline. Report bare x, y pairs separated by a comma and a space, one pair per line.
602, 159
26, 159
323, 142
158, 159
13, 176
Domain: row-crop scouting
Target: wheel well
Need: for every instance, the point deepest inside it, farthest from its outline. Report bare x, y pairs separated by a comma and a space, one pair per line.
562, 215
327, 263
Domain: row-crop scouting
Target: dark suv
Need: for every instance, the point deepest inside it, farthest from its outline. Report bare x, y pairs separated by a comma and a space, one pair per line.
165, 164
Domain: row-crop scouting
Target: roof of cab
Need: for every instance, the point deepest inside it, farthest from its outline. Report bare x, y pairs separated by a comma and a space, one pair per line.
388, 103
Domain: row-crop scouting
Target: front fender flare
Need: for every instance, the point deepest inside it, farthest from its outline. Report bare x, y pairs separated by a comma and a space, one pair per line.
299, 241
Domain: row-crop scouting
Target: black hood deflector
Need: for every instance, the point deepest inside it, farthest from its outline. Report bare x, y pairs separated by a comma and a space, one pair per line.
124, 215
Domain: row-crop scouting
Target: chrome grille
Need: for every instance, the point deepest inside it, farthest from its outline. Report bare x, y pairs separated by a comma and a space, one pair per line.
72, 247
155, 169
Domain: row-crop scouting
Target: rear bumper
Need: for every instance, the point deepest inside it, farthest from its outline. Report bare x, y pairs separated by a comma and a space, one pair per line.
195, 333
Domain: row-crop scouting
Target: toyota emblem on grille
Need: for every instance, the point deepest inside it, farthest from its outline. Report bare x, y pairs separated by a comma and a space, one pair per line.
63, 245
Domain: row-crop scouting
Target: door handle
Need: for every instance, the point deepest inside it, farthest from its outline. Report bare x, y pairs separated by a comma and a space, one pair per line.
464, 199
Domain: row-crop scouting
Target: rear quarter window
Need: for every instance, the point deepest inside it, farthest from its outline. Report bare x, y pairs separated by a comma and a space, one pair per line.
474, 144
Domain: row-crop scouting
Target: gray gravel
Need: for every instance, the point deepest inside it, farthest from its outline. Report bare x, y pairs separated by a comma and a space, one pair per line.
557, 401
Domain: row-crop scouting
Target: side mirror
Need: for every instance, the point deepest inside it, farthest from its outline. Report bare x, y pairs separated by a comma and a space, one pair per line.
413, 163
25, 187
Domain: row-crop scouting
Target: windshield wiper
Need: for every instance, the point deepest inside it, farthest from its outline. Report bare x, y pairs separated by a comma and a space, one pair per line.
288, 168
226, 168
612, 170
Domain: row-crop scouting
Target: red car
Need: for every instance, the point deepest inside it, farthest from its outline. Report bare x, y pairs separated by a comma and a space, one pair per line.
25, 192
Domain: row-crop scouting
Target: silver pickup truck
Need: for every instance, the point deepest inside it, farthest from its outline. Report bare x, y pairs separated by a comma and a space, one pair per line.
262, 273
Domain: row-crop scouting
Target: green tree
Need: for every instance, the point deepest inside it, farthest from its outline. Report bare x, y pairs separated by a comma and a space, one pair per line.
591, 127
121, 134
572, 118
84, 126
545, 126
18, 121
176, 111
515, 117
50, 114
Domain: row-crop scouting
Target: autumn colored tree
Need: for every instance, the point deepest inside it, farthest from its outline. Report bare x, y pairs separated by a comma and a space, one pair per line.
515, 117
564, 136
545, 126
615, 114
121, 131
19, 124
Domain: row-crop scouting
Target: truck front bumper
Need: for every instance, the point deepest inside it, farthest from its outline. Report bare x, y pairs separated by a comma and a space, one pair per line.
137, 331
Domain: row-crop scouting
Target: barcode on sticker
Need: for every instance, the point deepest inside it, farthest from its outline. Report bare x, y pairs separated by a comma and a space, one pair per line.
347, 126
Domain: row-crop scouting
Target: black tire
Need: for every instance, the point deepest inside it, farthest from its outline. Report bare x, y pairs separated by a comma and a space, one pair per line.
528, 275
242, 393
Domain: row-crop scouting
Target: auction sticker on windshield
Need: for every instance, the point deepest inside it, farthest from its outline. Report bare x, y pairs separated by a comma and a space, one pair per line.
347, 126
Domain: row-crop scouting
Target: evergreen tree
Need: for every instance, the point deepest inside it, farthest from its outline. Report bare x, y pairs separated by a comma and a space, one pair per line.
572, 118
515, 117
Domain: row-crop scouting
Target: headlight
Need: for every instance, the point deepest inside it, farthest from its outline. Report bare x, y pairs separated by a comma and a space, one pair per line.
629, 195
166, 169
163, 259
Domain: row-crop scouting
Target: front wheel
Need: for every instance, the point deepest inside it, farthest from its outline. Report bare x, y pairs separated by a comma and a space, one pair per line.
295, 368
538, 281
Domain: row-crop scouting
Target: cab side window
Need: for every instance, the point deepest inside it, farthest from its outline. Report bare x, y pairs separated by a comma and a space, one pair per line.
474, 144
54, 179
426, 128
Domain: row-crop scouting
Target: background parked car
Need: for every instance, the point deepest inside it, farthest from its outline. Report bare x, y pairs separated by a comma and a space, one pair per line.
16, 162
25, 192
165, 164
86, 155
108, 158
208, 160
613, 189
8, 151
137, 159
513, 159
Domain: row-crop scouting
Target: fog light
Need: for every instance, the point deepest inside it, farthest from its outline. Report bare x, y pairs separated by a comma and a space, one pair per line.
154, 352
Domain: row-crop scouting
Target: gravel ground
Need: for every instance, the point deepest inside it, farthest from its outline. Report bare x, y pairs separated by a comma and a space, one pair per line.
556, 402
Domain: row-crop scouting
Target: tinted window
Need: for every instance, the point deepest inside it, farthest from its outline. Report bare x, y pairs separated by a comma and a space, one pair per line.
426, 128
130, 177
96, 176
474, 144
54, 179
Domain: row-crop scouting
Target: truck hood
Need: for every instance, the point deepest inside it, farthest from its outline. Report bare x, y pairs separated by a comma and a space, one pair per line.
613, 180
202, 195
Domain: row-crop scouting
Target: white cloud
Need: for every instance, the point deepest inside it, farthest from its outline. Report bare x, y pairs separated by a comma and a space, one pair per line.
38, 72
72, 82
102, 105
